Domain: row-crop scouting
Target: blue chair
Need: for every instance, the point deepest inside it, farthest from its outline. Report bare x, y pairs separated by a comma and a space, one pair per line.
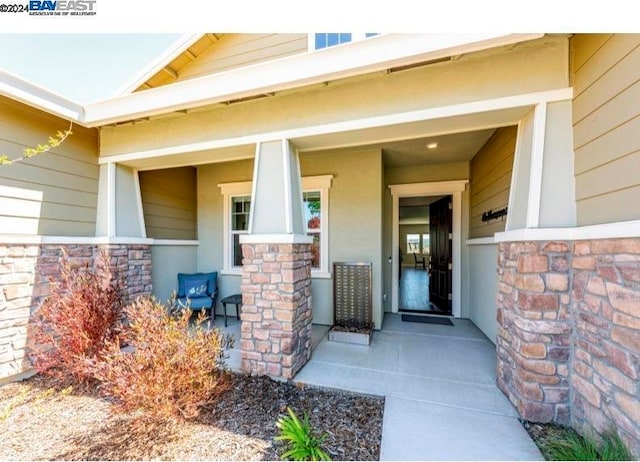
198, 291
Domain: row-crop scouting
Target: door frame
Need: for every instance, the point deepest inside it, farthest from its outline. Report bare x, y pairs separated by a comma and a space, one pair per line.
437, 188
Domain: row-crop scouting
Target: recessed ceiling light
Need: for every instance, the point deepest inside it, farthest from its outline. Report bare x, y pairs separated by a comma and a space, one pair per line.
432, 145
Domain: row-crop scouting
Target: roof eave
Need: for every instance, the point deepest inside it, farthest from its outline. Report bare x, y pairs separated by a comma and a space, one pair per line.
371, 55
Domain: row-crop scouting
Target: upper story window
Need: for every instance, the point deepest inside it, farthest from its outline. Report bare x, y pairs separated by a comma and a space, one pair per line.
321, 40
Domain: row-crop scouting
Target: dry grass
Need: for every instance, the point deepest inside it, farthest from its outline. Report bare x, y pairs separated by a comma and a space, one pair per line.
39, 422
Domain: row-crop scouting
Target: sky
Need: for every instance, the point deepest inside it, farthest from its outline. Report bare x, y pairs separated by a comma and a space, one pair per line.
82, 67
89, 58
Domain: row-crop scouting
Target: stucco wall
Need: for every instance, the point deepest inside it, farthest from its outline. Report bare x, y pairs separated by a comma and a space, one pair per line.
606, 81
483, 281
54, 193
355, 217
210, 216
168, 261
169, 202
490, 181
529, 67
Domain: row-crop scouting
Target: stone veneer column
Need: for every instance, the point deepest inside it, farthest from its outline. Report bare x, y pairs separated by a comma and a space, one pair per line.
534, 337
605, 379
276, 308
26, 272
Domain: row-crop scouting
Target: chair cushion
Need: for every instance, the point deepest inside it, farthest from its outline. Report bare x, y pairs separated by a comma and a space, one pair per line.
197, 284
196, 303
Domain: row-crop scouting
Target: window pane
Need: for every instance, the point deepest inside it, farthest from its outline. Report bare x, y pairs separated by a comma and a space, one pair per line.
344, 38
315, 250
237, 250
371, 34
240, 207
425, 243
413, 243
333, 39
321, 41
312, 209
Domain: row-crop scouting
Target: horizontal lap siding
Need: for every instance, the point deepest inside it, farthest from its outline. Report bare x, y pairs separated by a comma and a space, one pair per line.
54, 193
491, 180
238, 50
169, 202
606, 121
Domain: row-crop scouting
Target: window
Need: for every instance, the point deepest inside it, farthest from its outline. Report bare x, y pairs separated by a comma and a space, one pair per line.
413, 243
425, 244
240, 208
321, 40
237, 209
313, 220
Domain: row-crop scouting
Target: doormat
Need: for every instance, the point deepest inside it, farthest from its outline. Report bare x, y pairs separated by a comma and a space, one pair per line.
427, 319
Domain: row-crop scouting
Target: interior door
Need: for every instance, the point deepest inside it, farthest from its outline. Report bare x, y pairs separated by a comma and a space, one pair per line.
440, 228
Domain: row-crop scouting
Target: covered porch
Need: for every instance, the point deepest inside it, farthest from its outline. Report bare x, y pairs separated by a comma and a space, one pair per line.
441, 398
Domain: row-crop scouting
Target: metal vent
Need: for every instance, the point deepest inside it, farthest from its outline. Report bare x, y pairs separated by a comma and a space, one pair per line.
352, 295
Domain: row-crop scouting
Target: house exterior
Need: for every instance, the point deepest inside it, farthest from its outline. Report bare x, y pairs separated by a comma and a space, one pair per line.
209, 159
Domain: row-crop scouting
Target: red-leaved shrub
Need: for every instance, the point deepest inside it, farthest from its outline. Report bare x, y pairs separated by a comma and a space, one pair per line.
169, 368
76, 321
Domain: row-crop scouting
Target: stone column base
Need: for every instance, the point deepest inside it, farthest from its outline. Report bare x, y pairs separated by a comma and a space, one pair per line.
276, 308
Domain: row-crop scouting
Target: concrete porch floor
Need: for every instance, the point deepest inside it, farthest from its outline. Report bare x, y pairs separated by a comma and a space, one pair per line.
441, 401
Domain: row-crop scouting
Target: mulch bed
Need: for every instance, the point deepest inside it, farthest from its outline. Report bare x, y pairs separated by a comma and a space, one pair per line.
41, 422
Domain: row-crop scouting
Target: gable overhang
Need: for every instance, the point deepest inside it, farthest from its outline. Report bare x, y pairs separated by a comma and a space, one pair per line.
379, 53
35, 96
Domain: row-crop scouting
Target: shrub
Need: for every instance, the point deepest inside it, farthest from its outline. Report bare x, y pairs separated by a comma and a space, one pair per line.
303, 443
572, 446
169, 369
75, 323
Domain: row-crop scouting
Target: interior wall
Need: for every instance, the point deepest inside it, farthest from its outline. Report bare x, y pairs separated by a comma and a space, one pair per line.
169, 202
407, 255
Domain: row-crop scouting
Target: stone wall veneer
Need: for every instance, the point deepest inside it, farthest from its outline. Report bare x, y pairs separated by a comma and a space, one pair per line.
276, 308
534, 337
25, 275
569, 339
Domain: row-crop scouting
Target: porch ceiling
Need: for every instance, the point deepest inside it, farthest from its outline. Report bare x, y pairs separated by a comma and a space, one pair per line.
459, 139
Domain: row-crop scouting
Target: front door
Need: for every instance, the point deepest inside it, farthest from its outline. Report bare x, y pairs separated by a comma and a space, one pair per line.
440, 227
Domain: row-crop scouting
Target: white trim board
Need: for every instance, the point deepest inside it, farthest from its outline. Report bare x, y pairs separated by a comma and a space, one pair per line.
621, 229
18, 239
453, 188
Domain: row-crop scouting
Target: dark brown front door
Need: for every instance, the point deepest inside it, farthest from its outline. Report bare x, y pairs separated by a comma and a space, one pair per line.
440, 218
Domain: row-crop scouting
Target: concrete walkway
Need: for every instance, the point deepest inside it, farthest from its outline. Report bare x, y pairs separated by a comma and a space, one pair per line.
441, 401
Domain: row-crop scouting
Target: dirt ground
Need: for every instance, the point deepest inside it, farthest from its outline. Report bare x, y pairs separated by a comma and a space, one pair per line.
41, 422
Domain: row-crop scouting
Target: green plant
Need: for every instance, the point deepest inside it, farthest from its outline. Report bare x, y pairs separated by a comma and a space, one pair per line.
170, 367
76, 321
572, 446
303, 443
28, 152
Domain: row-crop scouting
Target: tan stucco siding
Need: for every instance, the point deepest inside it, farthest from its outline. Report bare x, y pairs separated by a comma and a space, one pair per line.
606, 77
355, 220
238, 50
530, 67
491, 181
169, 202
54, 193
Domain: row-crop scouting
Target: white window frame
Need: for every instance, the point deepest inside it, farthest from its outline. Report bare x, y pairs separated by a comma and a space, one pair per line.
320, 183
355, 37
